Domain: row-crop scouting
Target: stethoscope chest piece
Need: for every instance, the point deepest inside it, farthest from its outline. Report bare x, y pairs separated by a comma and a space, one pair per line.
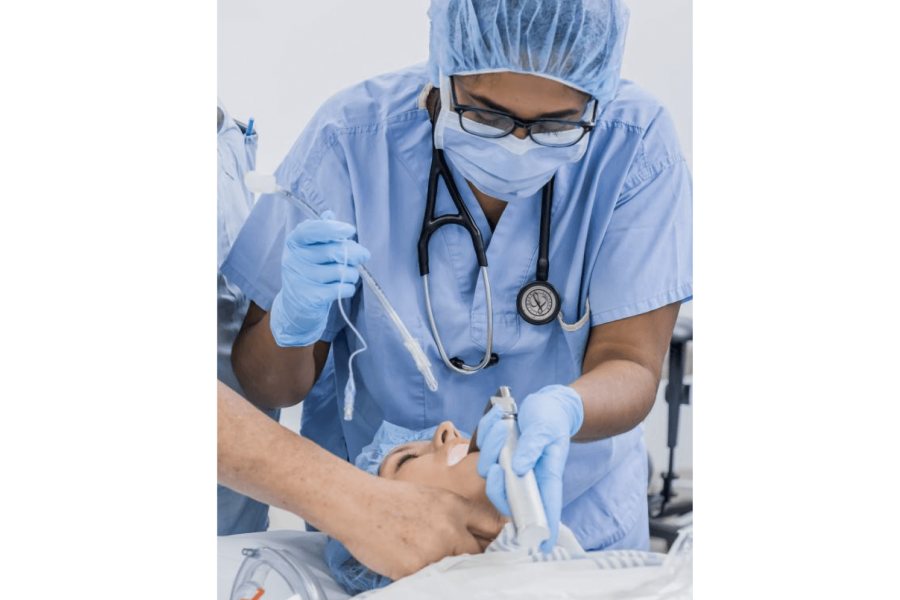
538, 303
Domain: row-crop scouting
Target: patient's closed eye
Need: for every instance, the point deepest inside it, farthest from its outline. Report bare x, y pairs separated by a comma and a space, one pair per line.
403, 459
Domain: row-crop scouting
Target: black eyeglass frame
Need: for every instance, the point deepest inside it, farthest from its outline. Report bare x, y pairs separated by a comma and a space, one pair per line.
460, 109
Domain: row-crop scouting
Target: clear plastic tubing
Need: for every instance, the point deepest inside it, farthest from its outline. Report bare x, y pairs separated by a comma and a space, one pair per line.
265, 184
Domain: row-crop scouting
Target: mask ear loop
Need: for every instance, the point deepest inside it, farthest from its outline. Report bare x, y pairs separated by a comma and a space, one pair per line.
350, 388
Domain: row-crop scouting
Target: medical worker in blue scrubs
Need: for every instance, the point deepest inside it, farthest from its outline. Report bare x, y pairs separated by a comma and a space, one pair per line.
236, 156
514, 95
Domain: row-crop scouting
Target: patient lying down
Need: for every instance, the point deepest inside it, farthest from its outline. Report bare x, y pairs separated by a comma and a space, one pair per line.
439, 456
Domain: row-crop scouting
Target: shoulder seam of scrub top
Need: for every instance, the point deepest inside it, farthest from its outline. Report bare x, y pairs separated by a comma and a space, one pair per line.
377, 125
304, 171
332, 133
647, 172
619, 123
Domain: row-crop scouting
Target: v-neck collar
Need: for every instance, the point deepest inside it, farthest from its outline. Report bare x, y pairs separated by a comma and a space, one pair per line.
512, 256
511, 249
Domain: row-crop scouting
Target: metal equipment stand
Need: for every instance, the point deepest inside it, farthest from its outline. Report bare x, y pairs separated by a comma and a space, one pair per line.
677, 393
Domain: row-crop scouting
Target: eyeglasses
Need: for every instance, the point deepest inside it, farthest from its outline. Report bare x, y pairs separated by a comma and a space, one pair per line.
554, 133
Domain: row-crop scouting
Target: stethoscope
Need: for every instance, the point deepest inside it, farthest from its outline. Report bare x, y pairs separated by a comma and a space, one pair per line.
537, 302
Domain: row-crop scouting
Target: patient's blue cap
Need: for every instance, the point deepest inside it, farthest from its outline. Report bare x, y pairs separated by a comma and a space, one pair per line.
388, 437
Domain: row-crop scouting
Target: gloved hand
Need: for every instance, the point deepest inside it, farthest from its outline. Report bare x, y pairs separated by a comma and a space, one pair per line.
548, 419
312, 269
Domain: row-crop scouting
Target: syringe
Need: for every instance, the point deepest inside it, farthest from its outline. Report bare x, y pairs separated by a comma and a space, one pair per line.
265, 184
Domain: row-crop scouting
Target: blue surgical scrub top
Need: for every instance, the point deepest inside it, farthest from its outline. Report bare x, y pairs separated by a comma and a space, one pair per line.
620, 238
236, 156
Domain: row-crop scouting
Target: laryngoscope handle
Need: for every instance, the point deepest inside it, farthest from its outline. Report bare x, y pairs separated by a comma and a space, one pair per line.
523, 493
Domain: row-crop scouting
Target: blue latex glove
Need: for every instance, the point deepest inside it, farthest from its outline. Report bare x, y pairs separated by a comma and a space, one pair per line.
312, 269
548, 419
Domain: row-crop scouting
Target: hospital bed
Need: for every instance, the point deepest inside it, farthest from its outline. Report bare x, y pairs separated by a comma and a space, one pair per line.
305, 551
614, 575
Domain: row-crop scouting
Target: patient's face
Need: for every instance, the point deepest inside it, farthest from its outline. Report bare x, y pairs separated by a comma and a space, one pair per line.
444, 462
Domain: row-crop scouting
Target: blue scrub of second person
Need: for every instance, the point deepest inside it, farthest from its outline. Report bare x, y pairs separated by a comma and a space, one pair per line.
620, 236
236, 157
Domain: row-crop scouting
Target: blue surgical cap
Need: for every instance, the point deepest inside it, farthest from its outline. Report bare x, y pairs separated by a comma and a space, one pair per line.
352, 575
388, 437
577, 42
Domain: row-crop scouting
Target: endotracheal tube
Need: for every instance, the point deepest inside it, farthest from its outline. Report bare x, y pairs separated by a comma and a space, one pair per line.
266, 184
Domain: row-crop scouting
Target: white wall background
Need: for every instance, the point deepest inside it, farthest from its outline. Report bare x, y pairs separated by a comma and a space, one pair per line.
278, 60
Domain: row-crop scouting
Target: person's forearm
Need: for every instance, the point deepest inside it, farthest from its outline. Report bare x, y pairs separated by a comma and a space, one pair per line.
392, 527
271, 376
264, 460
622, 365
617, 395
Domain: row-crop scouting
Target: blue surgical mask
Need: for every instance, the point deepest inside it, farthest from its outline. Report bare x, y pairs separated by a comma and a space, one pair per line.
505, 168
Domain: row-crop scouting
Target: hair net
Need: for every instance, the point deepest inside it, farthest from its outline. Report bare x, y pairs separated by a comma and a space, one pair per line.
352, 575
388, 437
577, 42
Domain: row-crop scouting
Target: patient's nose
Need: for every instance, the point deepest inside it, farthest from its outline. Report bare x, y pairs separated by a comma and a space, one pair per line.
444, 434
